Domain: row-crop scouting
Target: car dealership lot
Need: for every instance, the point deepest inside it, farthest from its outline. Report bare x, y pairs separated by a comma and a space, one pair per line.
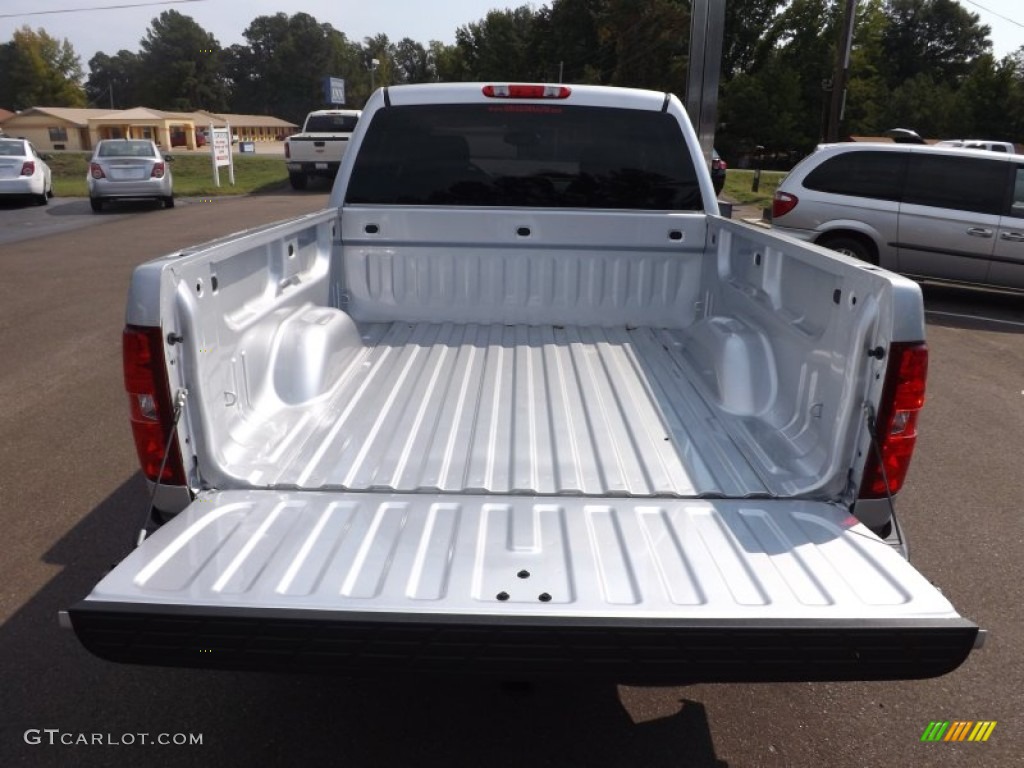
73, 498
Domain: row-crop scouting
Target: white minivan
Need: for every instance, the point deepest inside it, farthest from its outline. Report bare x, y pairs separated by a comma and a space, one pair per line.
930, 212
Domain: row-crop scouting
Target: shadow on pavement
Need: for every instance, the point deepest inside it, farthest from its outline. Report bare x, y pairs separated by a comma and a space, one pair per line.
49, 681
968, 308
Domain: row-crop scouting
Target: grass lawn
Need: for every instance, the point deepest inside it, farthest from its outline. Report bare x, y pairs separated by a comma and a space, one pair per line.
193, 174
738, 182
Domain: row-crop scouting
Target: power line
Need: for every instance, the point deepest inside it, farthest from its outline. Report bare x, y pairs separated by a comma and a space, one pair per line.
986, 10
97, 8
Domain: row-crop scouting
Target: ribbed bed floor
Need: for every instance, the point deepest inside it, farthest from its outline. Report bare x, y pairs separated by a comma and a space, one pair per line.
502, 409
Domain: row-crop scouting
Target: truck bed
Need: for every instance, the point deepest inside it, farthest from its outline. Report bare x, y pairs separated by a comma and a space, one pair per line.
505, 409
637, 362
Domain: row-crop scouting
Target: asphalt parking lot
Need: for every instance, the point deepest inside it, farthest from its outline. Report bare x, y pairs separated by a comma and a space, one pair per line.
72, 498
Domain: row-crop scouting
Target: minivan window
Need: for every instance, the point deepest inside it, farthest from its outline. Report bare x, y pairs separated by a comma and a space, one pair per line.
876, 175
957, 183
1017, 207
524, 155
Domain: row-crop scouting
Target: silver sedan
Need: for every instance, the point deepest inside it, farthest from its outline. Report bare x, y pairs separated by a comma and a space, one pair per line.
127, 169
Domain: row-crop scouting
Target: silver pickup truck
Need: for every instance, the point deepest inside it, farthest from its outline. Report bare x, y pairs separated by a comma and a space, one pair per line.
520, 402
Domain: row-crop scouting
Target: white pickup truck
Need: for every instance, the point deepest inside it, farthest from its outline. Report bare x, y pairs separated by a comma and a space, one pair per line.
520, 402
318, 148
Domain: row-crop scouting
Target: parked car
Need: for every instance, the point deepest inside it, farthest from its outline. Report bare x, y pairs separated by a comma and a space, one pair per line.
24, 172
718, 169
129, 168
991, 146
930, 212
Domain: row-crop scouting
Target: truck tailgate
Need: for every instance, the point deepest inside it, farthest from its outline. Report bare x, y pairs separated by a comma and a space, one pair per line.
651, 590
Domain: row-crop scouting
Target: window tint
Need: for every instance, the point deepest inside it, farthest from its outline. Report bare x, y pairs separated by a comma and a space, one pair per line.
877, 175
12, 149
959, 183
332, 123
1017, 207
127, 148
529, 155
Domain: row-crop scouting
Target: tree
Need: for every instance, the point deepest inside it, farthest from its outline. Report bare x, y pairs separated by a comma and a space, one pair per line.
115, 81
568, 41
651, 43
412, 62
280, 71
745, 24
39, 70
181, 65
498, 46
939, 38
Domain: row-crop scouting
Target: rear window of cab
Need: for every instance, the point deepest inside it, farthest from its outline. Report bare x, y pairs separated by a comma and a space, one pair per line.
524, 155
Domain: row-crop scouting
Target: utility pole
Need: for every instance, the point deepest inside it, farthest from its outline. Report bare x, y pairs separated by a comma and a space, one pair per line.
844, 46
707, 31
561, 69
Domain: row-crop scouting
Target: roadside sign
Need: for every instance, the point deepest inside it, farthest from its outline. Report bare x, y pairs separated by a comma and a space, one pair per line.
220, 153
334, 90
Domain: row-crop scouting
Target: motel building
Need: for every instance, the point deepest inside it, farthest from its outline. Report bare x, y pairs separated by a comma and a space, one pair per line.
71, 128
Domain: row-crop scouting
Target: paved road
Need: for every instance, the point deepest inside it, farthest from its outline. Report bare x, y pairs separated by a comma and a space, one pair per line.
71, 496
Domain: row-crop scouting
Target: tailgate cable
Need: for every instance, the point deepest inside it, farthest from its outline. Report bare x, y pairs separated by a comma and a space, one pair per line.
179, 405
873, 432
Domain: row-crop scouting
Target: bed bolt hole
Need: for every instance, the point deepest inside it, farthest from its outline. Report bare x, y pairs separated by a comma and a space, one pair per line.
523, 574
837, 295
291, 250
523, 231
675, 234
503, 596
213, 283
853, 301
199, 287
371, 229
757, 259
544, 597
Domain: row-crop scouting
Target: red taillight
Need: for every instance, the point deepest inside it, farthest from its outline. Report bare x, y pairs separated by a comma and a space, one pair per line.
527, 91
149, 399
783, 203
28, 168
97, 171
158, 171
719, 164
896, 425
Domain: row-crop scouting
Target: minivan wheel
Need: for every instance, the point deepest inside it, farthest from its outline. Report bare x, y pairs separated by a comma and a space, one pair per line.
851, 246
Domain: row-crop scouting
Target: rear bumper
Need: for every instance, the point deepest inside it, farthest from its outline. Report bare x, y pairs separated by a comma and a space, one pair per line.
24, 185
136, 189
315, 168
662, 651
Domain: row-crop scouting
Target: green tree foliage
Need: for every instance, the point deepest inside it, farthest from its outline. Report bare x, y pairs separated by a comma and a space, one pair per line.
498, 46
180, 64
115, 81
651, 42
938, 38
280, 70
569, 40
38, 70
920, 64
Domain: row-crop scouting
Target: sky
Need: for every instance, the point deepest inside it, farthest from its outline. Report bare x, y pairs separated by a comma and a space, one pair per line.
90, 31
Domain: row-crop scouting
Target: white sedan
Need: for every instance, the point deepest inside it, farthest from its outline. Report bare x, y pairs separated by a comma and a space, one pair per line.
23, 172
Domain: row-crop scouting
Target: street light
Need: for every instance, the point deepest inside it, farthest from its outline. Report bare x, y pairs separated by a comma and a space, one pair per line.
374, 63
